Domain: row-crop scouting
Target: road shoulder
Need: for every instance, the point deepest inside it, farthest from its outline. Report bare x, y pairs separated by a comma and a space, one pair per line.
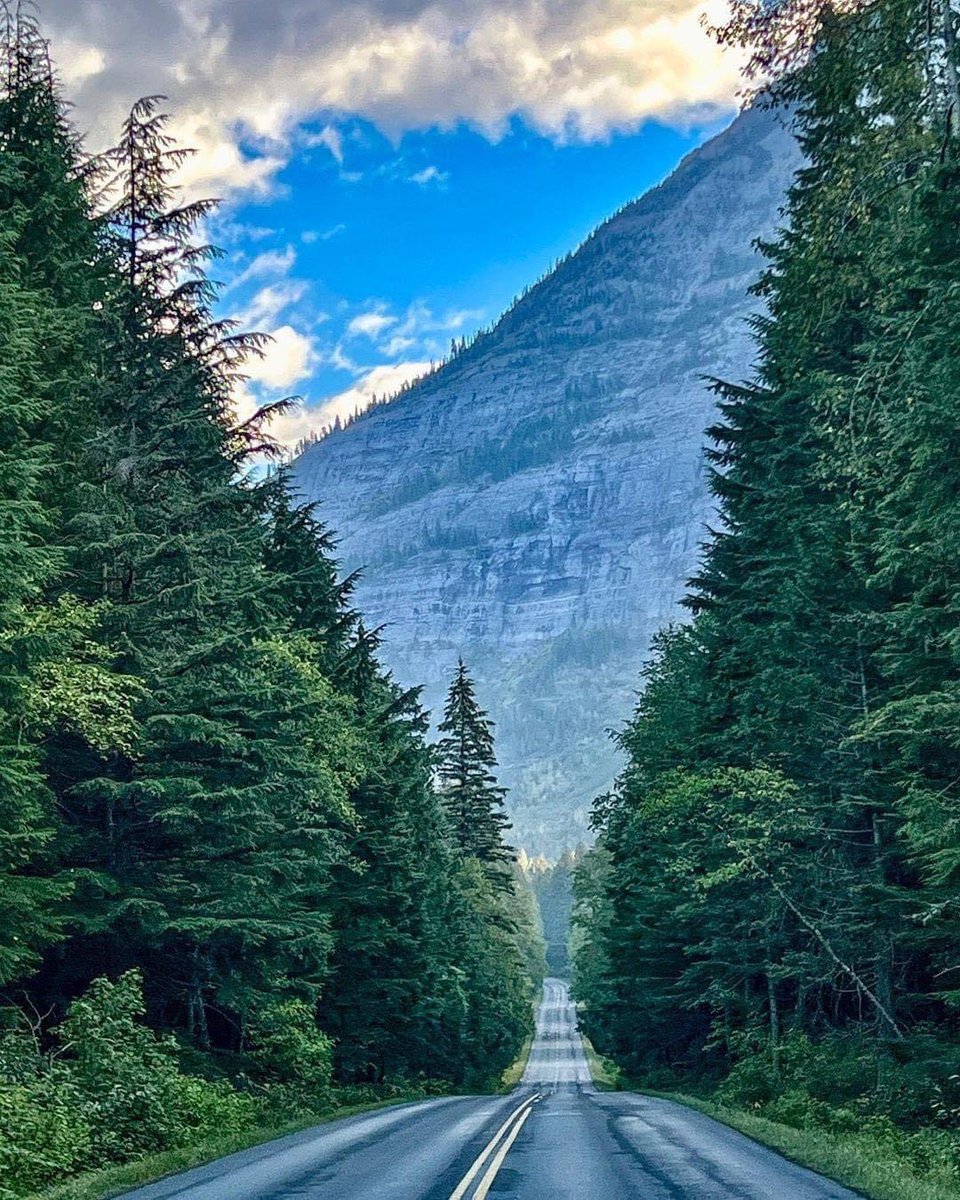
859, 1162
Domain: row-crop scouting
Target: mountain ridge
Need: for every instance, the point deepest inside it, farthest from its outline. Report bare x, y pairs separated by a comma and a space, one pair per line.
536, 504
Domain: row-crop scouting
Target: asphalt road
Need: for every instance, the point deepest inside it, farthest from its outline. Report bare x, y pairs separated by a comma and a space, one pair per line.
554, 1138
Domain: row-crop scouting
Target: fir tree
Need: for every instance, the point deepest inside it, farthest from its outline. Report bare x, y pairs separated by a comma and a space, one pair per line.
194, 730
212, 827
50, 278
466, 772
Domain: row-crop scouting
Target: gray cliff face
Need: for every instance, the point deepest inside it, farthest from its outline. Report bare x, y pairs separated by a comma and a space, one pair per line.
538, 504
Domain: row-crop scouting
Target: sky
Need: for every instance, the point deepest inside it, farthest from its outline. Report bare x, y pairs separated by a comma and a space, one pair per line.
394, 172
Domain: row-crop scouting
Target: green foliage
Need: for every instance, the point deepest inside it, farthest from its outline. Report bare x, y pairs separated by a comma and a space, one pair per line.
77, 687
466, 766
43, 1137
772, 907
288, 1046
126, 1076
221, 842
109, 1090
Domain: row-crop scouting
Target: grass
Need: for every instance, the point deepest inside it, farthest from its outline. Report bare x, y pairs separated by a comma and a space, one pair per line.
604, 1071
97, 1185
514, 1073
859, 1161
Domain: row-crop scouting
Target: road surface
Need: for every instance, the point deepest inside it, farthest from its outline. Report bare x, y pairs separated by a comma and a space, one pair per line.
554, 1138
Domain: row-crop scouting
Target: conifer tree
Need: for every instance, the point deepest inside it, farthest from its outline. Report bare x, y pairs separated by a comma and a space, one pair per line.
776, 858
49, 280
385, 1000
466, 766
194, 729
212, 826
26, 563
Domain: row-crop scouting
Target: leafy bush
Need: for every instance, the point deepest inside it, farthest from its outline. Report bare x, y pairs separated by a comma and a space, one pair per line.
44, 1136
904, 1098
208, 1109
289, 1047
127, 1075
109, 1091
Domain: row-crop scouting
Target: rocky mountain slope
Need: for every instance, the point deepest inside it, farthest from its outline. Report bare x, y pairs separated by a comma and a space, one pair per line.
537, 504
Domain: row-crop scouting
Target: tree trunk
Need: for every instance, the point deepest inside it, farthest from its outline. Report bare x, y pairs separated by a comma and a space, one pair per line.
950, 67
774, 1012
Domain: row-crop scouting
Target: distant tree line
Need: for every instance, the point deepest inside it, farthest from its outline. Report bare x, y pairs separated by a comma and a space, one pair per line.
229, 878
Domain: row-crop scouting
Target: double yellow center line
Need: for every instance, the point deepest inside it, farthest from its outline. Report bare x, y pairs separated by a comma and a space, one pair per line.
494, 1153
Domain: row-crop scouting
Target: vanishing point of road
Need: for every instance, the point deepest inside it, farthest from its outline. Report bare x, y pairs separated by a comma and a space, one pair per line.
554, 1138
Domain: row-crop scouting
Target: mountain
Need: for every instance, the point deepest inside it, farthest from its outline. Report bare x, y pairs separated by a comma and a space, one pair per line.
536, 505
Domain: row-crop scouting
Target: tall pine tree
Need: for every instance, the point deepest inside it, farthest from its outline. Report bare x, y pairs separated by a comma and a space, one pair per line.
466, 771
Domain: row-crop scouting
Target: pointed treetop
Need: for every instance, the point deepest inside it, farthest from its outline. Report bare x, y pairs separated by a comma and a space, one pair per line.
466, 774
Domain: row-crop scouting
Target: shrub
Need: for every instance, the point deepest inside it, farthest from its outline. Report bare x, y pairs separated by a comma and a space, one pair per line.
127, 1075
207, 1109
44, 1137
288, 1047
111, 1091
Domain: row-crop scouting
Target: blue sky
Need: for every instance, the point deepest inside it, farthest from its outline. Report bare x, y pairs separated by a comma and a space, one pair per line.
395, 171
380, 253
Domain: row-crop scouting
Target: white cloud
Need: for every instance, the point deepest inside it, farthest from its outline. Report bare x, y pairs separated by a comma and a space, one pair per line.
269, 302
289, 427
309, 236
79, 63
225, 230
243, 75
337, 358
419, 329
288, 359
421, 320
371, 324
379, 381
271, 262
430, 175
330, 137
398, 345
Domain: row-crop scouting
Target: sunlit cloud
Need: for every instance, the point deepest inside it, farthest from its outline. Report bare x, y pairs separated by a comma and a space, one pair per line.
371, 324
288, 359
244, 77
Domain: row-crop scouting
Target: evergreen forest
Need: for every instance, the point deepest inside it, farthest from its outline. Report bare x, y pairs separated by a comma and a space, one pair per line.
238, 886
242, 890
770, 918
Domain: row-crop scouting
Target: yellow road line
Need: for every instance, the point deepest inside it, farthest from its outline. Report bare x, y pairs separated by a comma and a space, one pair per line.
464, 1184
493, 1169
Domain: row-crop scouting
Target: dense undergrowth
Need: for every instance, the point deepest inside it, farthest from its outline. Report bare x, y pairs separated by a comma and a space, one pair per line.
899, 1103
872, 1162
106, 1090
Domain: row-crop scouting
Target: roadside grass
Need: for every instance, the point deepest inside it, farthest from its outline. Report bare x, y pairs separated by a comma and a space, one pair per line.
98, 1185
861, 1162
604, 1071
514, 1073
